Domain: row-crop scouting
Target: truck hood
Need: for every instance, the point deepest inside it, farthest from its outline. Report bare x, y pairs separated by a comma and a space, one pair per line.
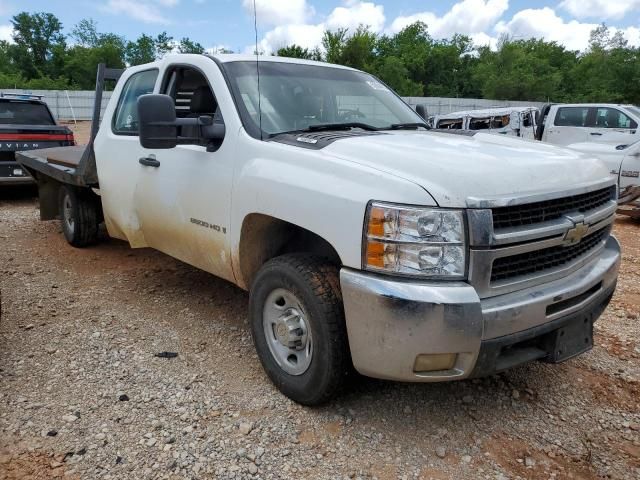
453, 168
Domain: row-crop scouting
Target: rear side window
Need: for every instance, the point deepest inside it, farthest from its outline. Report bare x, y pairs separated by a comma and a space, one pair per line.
125, 121
572, 117
613, 118
451, 124
15, 112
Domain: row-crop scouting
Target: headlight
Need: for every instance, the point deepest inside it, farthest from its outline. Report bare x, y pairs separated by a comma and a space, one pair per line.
415, 241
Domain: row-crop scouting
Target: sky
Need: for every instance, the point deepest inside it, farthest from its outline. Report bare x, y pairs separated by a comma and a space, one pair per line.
229, 23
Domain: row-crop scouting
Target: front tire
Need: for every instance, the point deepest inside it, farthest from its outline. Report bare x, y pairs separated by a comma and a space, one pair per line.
298, 327
79, 215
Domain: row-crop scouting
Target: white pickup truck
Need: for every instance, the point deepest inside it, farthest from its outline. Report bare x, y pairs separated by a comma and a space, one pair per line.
565, 124
623, 162
365, 240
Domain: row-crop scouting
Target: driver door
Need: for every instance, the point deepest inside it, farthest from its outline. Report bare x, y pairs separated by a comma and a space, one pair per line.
183, 198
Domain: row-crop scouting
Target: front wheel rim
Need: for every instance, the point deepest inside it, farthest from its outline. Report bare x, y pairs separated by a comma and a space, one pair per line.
287, 331
67, 213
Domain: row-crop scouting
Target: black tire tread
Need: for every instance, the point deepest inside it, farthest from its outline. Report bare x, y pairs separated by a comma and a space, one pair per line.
87, 217
322, 276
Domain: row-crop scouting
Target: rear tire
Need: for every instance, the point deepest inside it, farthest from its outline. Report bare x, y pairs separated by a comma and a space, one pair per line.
79, 215
295, 300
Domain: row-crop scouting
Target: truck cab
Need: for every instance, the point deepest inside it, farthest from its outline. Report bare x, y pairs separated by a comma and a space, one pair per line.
365, 240
565, 124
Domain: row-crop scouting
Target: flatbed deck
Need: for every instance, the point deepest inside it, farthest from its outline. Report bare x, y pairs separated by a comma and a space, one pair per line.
65, 156
64, 164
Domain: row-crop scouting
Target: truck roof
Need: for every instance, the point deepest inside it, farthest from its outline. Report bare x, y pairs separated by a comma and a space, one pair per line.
593, 105
486, 112
235, 57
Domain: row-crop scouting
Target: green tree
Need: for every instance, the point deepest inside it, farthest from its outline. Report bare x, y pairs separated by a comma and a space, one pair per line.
296, 51
524, 70
395, 74
85, 33
142, 50
189, 46
333, 44
36, 36
163, 44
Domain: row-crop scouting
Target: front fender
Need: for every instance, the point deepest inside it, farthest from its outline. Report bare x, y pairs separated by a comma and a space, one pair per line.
316, 191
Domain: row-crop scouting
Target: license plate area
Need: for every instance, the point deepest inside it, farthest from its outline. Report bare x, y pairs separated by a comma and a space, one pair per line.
571, 339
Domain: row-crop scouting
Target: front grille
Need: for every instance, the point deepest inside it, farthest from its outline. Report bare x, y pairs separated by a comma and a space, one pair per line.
528, 263
531, 213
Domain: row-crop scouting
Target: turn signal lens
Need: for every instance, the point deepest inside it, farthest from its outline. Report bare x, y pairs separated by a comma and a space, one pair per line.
376, 222
375, 254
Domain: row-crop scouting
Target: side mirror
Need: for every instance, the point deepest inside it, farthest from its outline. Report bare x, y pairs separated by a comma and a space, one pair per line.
159, 127
421, 110
157, 121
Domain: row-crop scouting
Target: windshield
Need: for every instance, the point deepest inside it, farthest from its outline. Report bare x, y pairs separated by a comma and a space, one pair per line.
295, 96
24, 113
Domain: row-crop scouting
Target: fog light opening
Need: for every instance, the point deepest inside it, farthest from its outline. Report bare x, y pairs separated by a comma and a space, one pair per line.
434, 362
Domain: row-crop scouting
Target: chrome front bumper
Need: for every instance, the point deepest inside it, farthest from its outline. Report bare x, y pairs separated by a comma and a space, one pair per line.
390, 321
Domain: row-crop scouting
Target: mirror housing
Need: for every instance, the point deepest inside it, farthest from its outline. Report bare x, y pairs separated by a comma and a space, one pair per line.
421, 110
159, 127
157, 121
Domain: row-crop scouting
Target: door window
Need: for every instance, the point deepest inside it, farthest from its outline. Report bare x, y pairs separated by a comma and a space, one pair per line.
125, 121
572, 117
607, 117
193, 98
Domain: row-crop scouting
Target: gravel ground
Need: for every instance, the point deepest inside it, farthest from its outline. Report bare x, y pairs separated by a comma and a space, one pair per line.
83, 394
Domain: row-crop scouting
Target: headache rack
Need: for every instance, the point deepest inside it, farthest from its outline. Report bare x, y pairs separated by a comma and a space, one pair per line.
71, 165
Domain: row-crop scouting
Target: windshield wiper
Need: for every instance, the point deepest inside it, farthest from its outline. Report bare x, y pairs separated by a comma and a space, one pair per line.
328, 126
408, 126
340, 126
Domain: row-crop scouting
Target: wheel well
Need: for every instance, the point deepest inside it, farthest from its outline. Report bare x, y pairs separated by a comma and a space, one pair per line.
264, 237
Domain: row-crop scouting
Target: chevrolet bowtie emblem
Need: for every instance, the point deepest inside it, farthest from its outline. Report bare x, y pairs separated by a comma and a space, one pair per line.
575, 234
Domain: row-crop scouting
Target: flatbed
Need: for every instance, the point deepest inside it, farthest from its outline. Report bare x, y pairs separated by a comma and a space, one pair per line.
61, 163
74, 165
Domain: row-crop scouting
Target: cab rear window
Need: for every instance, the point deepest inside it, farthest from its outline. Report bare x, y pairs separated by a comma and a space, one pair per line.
15, 112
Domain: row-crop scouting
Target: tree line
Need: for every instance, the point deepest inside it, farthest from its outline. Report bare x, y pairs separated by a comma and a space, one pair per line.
415, 64
41, 56
411, 61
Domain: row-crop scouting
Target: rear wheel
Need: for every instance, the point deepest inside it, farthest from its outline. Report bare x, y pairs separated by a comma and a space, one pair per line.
79, 215
298, 327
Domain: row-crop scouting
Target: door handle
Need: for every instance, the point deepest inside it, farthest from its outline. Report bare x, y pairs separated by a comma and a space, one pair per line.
149, 162
596, 133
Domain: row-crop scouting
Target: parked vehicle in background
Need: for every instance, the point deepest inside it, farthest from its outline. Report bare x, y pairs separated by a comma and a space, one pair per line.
512, 121
623, 162
364, 239
26, 123
608, 132
565, 124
